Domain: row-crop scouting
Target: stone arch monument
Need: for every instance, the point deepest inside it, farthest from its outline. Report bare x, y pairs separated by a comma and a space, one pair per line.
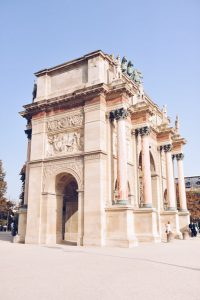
86, 127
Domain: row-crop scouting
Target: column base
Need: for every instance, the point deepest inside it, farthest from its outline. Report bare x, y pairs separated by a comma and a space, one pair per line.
146, 225
146, 205
121, 202
171, 209
120, 227
183, 210
184, 220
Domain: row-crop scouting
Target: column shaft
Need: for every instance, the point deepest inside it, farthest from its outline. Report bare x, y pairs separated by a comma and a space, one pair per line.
181, 183
170, 178
146, 172
120, 116
121, 160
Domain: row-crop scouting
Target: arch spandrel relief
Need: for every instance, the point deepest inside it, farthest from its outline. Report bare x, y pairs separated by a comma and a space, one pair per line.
71, 166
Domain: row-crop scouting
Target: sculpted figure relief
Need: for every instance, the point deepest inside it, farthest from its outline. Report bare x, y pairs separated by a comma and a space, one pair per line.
65, 122
62, 143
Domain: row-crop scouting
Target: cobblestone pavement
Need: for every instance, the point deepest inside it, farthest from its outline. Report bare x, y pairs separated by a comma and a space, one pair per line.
149, 271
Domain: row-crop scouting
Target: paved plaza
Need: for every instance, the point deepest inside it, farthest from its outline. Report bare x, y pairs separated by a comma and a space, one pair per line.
150, 271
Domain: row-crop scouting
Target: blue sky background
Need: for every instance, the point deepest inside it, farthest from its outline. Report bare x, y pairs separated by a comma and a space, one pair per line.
162, 38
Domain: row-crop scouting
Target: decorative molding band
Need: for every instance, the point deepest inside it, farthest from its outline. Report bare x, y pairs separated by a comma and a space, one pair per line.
69, 121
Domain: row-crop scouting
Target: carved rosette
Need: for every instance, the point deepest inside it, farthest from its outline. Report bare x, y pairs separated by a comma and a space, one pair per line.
179, 156
118, 114
143, 131
166, 148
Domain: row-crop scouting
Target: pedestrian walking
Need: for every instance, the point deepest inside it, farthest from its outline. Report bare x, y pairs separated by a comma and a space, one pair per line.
168, 231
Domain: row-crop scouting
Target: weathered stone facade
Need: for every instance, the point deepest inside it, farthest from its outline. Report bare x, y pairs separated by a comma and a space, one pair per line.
99, 167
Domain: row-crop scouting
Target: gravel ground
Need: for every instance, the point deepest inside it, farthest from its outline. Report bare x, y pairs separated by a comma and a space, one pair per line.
149, 271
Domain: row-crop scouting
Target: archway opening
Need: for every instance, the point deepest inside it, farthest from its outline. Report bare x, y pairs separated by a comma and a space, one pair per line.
67, 213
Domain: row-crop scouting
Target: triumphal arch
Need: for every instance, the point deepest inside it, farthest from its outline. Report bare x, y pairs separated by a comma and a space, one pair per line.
101, 158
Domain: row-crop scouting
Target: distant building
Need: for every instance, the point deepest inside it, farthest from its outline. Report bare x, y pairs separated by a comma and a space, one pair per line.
192, 186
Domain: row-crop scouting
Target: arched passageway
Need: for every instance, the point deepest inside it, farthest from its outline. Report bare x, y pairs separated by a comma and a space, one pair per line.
67, 212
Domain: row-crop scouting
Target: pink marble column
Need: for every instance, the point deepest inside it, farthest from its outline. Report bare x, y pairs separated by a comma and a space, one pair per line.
181, 182
170, 177
146, 170
122, 181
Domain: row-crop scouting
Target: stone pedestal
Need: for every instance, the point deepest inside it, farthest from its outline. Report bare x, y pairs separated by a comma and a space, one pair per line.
20, 238
120, 227
184, 220
173, 218
146, 225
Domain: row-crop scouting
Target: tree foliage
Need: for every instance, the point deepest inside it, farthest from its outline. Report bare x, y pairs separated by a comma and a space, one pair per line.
3, 184
5, 205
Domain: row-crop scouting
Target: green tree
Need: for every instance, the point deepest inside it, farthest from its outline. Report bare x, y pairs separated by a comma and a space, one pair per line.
5, 205
3, 184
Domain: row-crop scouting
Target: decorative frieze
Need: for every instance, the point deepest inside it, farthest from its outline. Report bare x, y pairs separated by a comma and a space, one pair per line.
65, 122
64, 143
118, 114
143, 131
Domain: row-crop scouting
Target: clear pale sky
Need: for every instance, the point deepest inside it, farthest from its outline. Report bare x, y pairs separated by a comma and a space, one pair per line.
162, 38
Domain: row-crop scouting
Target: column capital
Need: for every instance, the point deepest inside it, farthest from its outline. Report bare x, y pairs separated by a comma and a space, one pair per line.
28, 132
118, 114
143, 131
179, 156
166, 148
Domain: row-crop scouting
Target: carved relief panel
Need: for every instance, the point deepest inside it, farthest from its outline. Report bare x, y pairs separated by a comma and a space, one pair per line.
64, 135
